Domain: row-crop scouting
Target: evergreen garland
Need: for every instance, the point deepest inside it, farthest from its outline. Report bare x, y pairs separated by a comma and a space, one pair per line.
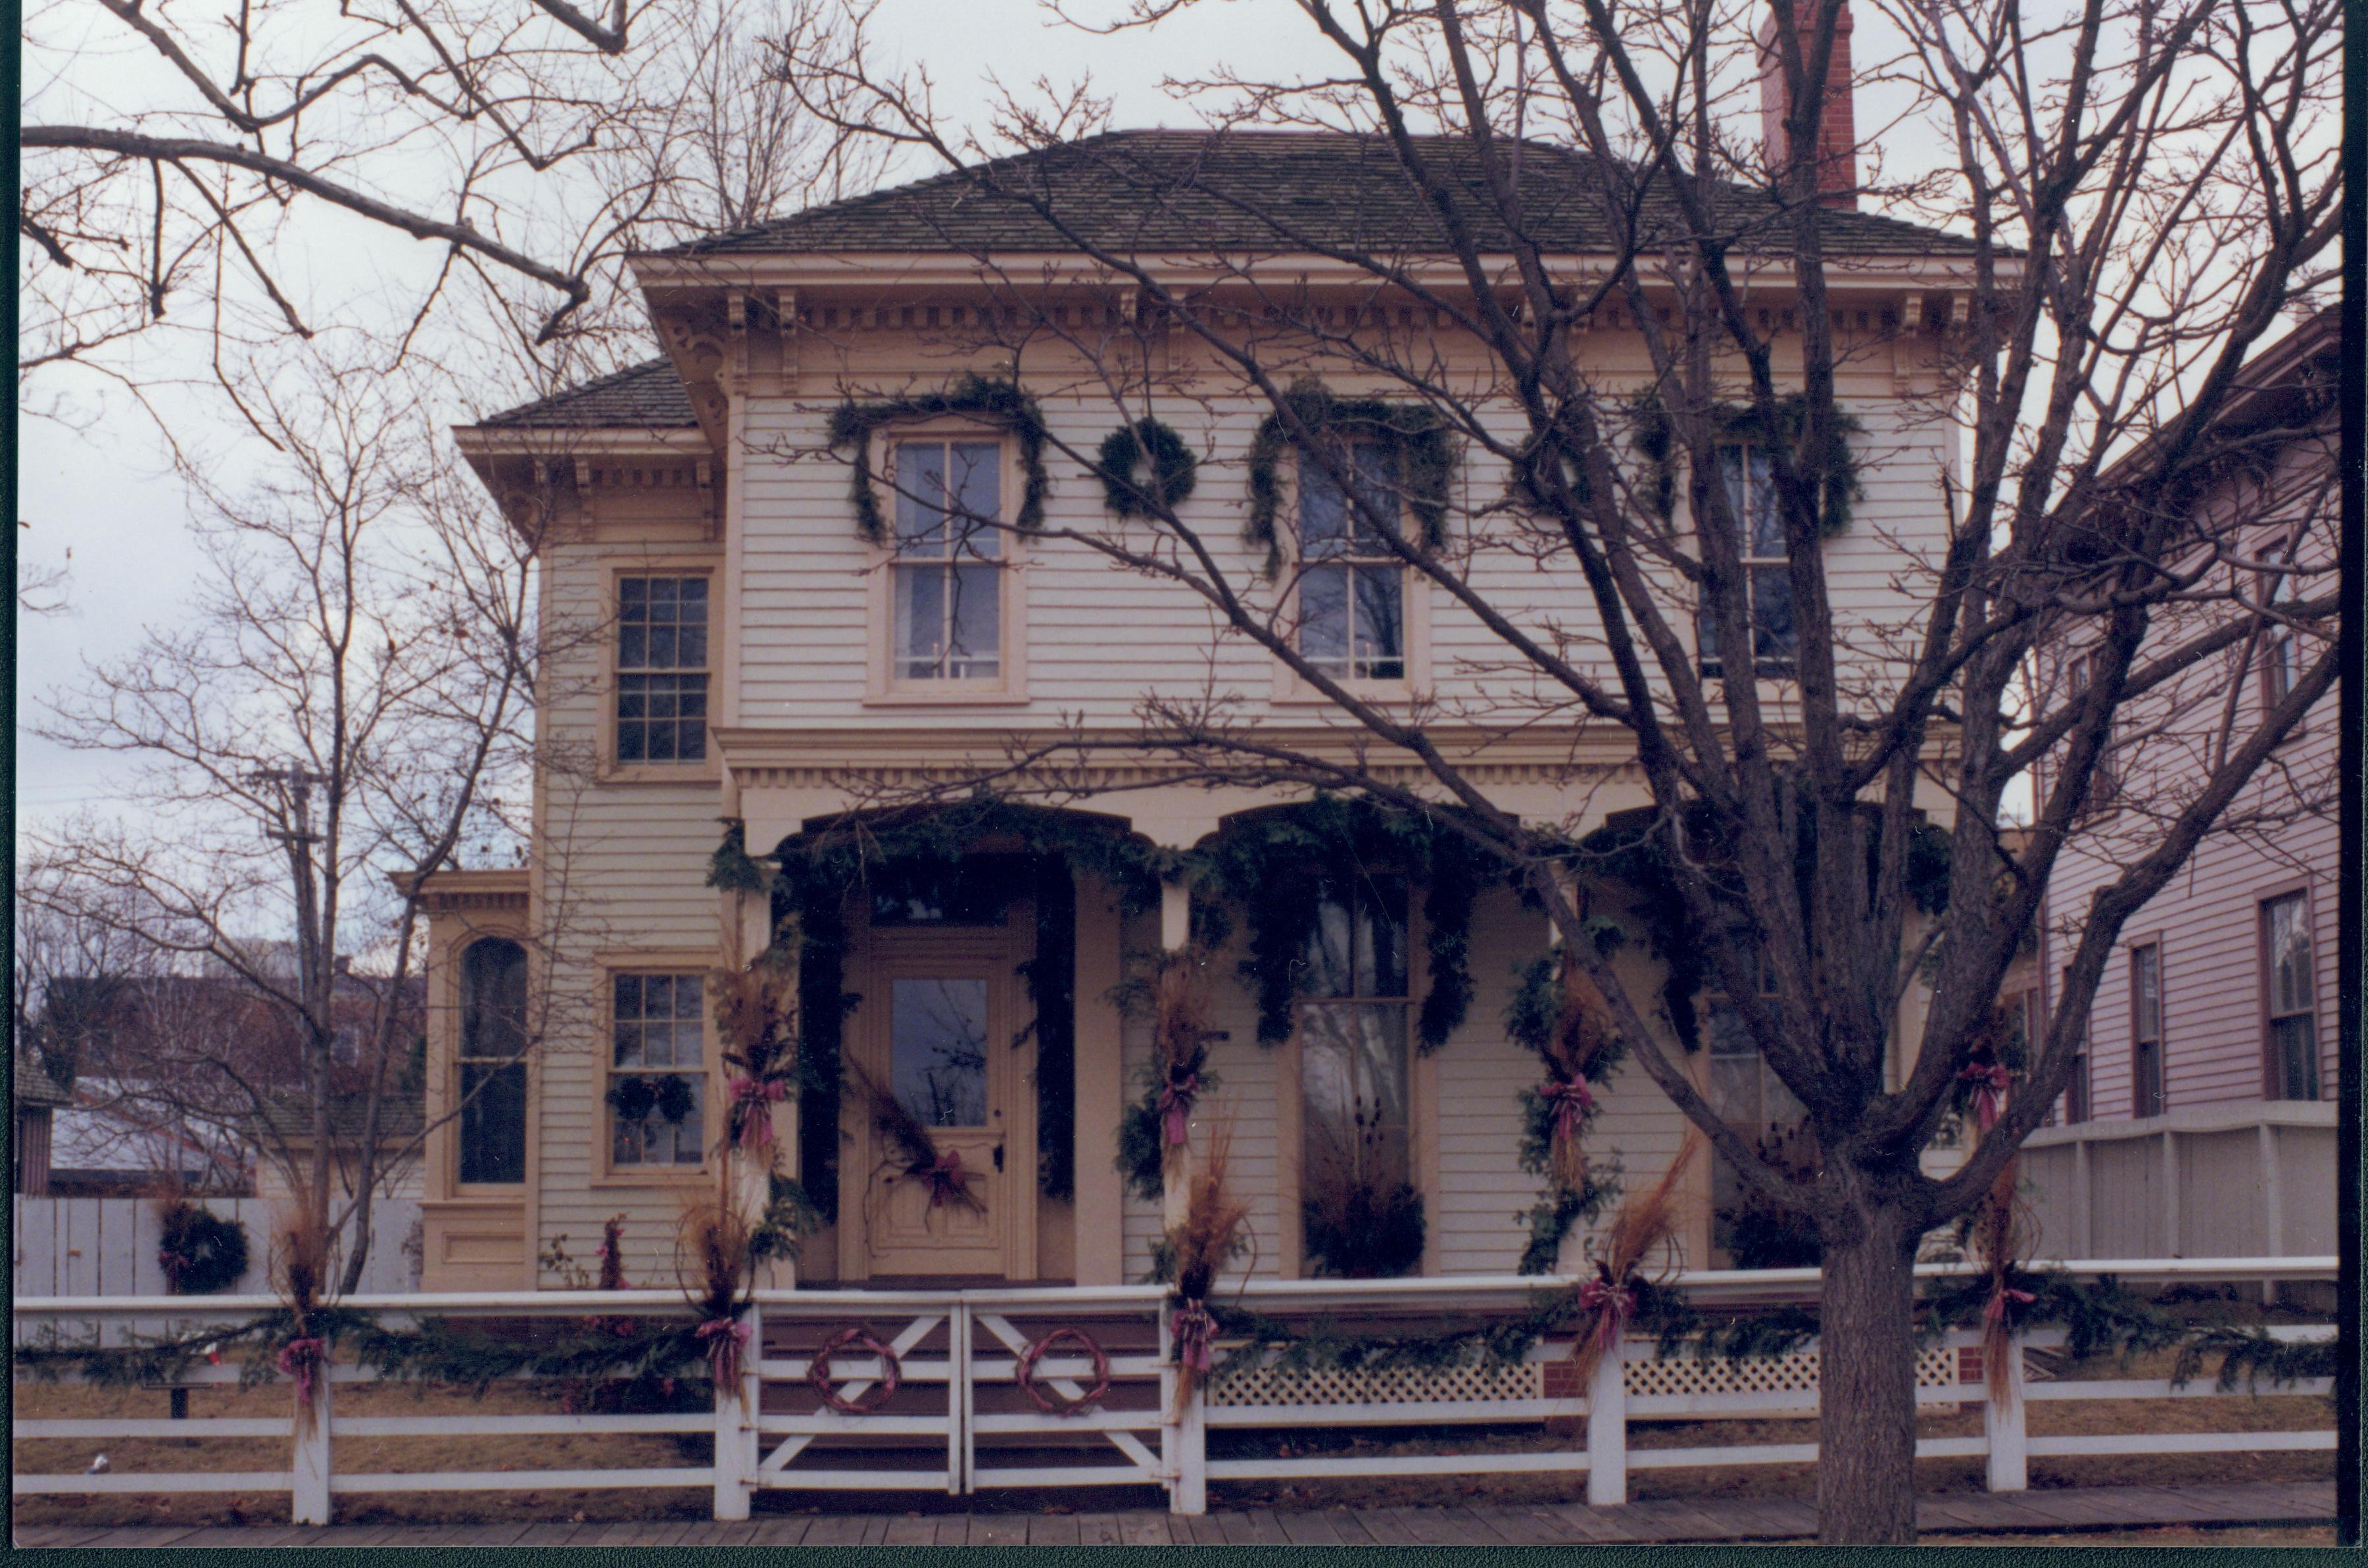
1167, 463
730, 869
199, 1251
997, 401
1541, 1015
1655, 437
1424, 447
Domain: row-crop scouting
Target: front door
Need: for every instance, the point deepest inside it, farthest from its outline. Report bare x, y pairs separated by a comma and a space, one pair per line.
941, 1027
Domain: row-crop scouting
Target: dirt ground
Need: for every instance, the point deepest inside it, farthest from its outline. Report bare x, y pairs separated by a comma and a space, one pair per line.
2235, 1413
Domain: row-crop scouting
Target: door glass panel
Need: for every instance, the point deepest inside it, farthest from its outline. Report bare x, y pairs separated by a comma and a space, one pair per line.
938, 1051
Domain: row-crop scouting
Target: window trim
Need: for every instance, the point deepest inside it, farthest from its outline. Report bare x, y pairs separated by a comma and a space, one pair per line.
708, 769
1713, 666
606, 1172
2272, 1069
883, 687
2150, 942
2103, 796
1289, 687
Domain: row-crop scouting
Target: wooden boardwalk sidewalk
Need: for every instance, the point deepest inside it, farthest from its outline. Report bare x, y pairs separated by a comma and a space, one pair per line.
2069, 1508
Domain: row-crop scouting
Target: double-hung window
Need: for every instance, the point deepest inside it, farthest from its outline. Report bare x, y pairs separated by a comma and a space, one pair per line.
2076, 1093
657, 1080
1749, 472
2293, 998
2146, 1029
661, 669
1351, 582
1356, 1147
948, 565
493, 1069
2105, 783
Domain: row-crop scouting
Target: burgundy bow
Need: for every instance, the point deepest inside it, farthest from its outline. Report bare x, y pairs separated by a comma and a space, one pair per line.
1997, 1308
749, 1098
1990, 1084
300, 1359
947, 1178
1570, 1102
1611, 1305
1175, 1106
724, 1337
1194, 1328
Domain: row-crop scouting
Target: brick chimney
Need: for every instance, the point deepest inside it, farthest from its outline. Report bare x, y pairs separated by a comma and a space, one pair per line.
1837, 131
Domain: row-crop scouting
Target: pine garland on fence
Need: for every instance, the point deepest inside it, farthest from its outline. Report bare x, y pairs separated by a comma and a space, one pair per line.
997, 401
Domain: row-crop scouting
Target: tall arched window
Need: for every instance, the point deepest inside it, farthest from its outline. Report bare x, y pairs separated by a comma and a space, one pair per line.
492, 1066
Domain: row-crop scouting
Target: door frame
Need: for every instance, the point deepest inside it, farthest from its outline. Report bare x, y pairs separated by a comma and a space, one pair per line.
875, 956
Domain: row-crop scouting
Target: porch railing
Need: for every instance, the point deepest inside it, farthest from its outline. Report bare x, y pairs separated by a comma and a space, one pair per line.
920, 1390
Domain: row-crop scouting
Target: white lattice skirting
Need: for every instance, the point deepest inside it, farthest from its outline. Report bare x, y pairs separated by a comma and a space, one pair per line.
1680, 1374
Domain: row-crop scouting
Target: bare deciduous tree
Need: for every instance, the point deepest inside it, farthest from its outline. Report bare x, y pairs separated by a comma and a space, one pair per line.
2140, 194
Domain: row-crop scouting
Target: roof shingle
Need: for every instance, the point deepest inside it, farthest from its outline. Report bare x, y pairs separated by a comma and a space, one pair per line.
644, 397
1211, 191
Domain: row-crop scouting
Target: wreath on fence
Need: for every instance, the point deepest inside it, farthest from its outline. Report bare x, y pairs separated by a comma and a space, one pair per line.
1053, 1401
884, 1388
199, 1251
1131, 488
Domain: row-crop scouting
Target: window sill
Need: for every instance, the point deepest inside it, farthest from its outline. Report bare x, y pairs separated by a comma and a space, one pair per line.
1292, 693
707, 771
672, 1176
480, 1198
950, 694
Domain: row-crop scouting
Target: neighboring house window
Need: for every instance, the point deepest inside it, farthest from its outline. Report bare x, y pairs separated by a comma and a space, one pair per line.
2105, 782
1356, 1147
949, 588
2292, 998
2076, 1093
657, 1090
2146, 1030
2280, 665
1352, 583
1749, 474
661, 669
492, 1066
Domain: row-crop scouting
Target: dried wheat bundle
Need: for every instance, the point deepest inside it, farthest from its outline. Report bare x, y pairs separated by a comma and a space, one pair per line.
1644, 1222
1201, 1242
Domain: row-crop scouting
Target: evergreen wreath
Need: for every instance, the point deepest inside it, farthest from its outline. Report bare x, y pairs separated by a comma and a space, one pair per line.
1654, 435
995, 401
1144, 468
1414, 432
635, 1096
199, 1251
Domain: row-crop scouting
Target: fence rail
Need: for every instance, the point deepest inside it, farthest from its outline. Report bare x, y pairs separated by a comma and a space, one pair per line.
927, 1394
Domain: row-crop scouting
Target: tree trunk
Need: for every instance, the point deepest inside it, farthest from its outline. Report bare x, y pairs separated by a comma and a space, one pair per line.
1866, 1381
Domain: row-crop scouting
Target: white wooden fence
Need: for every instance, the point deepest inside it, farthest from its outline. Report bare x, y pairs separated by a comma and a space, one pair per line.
938, 1404
2231, 1180
106, 1247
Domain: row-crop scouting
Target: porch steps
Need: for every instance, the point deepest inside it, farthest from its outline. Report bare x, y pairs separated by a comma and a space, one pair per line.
2067, 1510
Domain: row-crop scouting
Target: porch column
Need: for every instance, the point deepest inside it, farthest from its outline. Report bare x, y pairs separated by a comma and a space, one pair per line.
1175, 933
1101, 1090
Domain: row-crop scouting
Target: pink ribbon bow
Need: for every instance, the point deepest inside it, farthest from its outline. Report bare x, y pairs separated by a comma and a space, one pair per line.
947, 1178
749, 1098
1570, 1103
1990, 1084
1997, 1308
724, 1337
1611, 1305
1194, 1329
300, 1359
1175, 1106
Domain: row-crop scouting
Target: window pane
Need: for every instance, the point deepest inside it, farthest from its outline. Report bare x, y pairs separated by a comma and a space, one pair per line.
1774, 635
2146, 969
975, 487
920, 620
974, 624
1323, 616
492, 1001
1377, 486
2294, 1044
1353, 1094
493, 1122
1323, 512
2290, 985
920, 484
1381, 621
938, 1049
1380, 937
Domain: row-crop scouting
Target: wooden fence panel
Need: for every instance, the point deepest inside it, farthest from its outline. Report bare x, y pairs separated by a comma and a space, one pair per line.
107, 1246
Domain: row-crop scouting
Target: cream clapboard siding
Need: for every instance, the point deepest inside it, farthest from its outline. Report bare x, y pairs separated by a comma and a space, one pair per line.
622, 872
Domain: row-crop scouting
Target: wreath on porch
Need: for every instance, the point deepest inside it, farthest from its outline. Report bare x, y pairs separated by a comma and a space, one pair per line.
909, 1150
993, 401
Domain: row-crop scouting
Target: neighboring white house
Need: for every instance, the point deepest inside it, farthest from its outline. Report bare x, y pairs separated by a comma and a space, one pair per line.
766, 662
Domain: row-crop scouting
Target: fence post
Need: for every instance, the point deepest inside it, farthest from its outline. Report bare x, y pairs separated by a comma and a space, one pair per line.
735, 1424
1607, 1429
313, 1461
2010, 1468
1183, 1435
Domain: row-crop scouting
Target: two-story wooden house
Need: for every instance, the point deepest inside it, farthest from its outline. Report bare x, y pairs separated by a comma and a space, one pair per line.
827, 571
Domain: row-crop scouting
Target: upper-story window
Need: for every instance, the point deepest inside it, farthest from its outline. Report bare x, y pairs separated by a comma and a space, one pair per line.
1351, 582
661, 669
1749, 474
2292, 998
949, 563
2105, 782
492, 1079
2146, 1029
